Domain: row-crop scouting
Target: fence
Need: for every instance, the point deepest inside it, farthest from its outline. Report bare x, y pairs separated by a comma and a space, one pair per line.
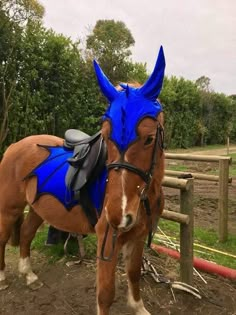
185, 218
223, 180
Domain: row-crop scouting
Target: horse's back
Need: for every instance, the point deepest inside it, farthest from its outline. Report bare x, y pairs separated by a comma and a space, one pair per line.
23, 156
34, 140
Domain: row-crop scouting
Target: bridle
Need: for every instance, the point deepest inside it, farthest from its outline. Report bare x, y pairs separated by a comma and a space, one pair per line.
147, 177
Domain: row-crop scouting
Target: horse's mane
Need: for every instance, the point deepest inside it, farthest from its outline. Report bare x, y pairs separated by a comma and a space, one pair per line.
134, 84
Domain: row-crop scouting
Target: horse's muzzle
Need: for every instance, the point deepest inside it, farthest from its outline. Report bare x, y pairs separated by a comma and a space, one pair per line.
126, 223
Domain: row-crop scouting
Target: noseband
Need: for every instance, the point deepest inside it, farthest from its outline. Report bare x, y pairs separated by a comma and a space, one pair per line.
147, 177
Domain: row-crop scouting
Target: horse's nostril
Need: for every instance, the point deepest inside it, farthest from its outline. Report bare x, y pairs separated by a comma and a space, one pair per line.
129, 220
126, 222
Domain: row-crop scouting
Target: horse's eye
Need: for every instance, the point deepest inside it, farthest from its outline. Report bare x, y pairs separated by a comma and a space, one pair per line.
148, 140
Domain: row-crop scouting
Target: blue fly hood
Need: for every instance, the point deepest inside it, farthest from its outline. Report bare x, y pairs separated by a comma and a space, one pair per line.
129, 106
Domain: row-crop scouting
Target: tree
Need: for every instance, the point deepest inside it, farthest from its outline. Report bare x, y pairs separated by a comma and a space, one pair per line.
203, 83
110, 43
220, 122
137, 72
22, 11
14, 15
180, 100
48, 86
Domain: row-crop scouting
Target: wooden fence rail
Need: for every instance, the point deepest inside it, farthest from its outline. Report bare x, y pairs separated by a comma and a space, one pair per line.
223, 179
211, 178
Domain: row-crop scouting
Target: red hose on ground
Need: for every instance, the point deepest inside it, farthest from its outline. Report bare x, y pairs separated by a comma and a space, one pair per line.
199, 263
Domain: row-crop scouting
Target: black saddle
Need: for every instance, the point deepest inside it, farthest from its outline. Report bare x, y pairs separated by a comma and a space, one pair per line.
74, 136
88, 159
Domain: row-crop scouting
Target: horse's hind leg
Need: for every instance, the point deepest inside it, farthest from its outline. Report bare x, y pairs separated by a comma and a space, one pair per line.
3, 240
28, 230
133, 253
8, 217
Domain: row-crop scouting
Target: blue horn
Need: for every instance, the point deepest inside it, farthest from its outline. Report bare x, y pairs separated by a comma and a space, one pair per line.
107, 88
152, 87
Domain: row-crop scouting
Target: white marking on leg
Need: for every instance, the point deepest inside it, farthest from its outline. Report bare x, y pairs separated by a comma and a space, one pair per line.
2, 275
25, 268
137, 306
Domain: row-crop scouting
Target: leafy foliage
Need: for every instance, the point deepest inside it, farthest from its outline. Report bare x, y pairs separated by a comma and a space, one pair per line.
110, 44
182, 113
48, 85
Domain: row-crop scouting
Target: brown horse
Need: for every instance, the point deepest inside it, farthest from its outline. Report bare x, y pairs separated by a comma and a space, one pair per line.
133, 200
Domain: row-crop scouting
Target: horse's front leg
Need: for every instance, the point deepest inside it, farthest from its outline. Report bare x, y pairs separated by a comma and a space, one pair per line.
106, 270
133, 253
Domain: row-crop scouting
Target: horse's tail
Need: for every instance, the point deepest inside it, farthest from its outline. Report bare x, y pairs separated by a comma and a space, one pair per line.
15, 233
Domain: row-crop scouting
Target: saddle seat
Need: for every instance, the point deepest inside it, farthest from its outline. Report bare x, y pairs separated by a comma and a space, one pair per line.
88, 160
74, 136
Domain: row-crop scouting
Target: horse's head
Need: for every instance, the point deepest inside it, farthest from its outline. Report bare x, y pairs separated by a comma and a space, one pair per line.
131, 130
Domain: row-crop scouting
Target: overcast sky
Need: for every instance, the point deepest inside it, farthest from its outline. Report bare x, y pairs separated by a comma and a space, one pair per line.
199, 37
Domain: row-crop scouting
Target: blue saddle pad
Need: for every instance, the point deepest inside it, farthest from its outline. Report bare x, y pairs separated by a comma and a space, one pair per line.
51, 175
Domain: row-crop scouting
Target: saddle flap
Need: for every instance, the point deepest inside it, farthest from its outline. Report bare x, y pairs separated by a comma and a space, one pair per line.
79, 156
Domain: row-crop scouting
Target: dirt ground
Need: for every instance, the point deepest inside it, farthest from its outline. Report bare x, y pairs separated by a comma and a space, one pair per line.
71, 290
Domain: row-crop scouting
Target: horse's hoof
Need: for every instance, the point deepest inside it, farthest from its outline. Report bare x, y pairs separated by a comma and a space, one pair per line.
37, 284
3, 285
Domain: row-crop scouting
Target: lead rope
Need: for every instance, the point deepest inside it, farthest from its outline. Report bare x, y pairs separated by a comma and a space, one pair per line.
114, 238
146, 205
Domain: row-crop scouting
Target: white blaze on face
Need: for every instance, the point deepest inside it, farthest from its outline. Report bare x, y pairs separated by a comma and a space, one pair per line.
124, 200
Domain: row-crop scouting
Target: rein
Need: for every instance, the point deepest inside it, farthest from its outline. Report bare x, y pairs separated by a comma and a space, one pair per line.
147, 177
114, 237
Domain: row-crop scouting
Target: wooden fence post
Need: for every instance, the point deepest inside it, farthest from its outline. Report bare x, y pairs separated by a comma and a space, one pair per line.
223, 199
186, 235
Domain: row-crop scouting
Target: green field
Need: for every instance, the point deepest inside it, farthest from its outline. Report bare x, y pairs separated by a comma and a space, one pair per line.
204, 238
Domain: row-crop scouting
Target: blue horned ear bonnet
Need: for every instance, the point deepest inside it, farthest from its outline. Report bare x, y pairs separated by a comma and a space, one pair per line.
129, 106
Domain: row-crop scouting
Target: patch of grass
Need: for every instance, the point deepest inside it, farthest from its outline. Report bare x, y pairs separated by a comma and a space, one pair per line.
233, 156
56, 252
206, 238
177, 167
232, 168
198, 148
53, 253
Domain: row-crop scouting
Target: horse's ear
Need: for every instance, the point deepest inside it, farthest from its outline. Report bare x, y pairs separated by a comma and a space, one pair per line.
107, 88
152, 87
